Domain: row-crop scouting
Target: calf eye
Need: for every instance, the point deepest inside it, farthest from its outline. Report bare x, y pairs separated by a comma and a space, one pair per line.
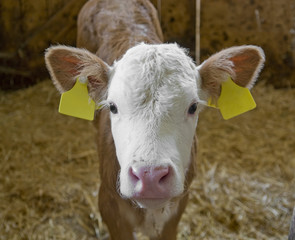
113, 108
192, 109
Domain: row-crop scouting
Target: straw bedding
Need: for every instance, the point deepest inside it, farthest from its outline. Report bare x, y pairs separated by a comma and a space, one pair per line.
245, 188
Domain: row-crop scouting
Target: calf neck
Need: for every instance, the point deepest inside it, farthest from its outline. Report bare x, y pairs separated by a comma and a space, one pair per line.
151, 95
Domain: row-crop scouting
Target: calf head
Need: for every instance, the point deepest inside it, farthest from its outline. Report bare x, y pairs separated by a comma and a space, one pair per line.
154, 94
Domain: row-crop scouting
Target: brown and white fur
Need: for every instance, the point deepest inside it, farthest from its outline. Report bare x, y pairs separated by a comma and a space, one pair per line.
152, 93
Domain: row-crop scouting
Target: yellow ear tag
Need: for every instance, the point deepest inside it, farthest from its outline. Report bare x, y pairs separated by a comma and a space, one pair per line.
77, 103
234, 100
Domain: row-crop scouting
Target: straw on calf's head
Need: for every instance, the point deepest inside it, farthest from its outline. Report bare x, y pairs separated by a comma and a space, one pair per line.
154, 93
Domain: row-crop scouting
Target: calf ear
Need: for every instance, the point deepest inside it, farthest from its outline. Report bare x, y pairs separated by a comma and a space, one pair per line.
66, 64
242, 64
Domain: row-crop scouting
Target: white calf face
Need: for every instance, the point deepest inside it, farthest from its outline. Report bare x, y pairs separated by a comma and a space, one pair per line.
154, 104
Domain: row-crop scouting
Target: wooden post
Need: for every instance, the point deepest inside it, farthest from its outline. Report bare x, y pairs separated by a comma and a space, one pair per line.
159, 8
198, 23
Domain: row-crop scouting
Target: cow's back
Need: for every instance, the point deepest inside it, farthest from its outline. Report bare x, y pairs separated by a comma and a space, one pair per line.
110, 27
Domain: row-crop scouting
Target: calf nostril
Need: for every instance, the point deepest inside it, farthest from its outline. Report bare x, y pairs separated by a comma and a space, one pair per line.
134, 174
164, 173
163, 179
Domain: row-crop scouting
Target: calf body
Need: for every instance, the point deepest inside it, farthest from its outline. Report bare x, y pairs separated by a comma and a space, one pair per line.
152, 97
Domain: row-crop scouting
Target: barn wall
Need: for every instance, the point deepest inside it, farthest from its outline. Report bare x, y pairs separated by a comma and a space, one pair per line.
178, 21
267, 23
28, 27
224, 23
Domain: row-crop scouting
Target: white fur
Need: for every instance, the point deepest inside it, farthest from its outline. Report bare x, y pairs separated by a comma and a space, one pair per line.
153, 86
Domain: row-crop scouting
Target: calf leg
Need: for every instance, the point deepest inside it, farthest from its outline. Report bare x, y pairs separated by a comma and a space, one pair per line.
118, 225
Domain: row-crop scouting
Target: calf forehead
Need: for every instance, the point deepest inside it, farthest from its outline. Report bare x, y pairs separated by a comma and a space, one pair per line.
155, 75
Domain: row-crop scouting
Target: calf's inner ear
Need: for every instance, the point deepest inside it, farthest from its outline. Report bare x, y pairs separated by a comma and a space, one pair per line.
66, 64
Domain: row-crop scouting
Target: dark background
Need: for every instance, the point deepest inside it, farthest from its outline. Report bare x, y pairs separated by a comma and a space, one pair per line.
28, 27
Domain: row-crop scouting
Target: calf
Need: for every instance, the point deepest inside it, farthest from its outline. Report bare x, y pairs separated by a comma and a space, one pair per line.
151, 95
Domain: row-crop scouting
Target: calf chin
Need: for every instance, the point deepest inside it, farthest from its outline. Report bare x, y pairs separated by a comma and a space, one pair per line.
152, 203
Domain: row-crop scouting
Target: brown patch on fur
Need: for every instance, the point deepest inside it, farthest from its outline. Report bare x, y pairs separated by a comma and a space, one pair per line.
136, 22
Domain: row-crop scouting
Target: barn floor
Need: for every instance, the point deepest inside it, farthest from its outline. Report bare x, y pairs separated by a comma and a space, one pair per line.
245, 187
